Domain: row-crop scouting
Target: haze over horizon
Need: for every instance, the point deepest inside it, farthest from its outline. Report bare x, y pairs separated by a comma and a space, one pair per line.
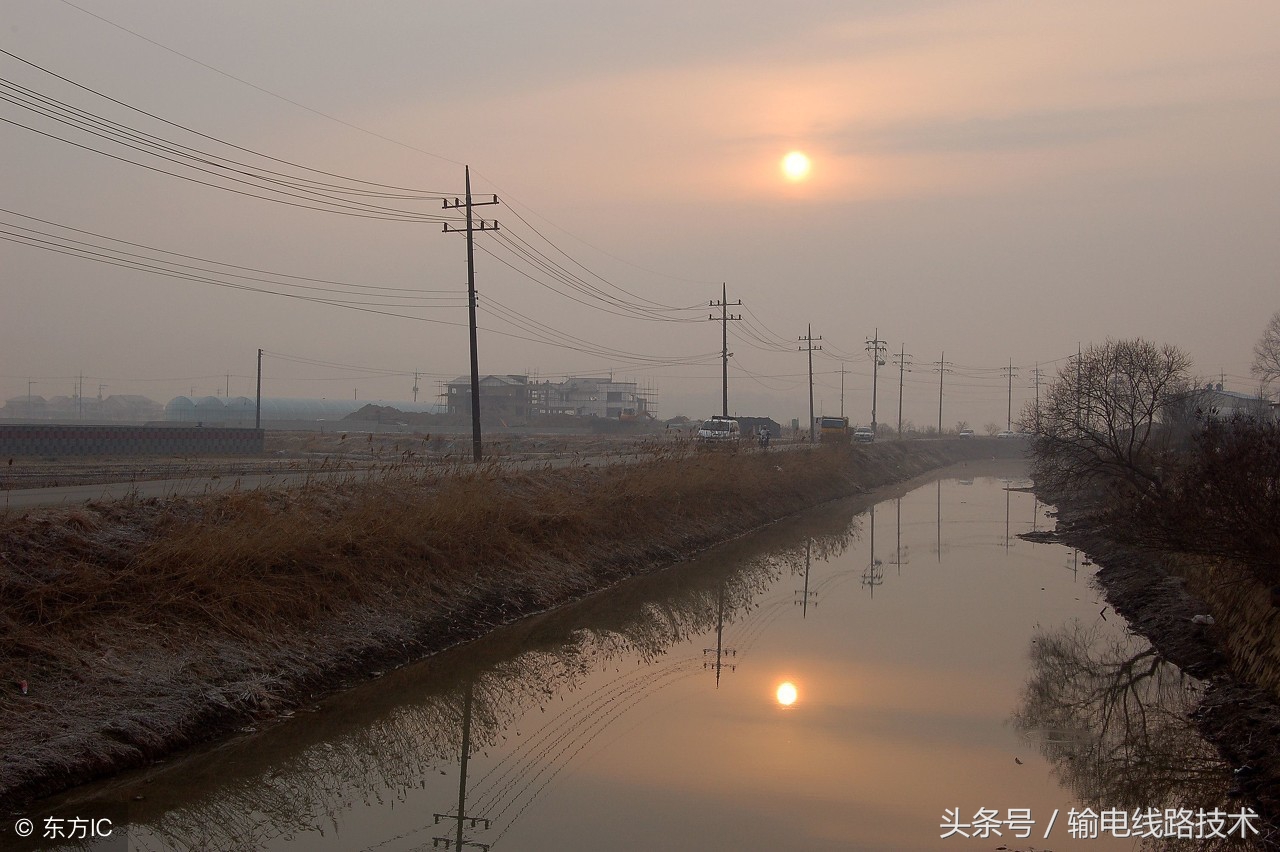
994, 180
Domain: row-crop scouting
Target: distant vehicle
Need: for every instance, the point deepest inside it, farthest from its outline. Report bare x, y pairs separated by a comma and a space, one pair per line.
863, 435
1006, 434
966, 433
720, 432
833, 430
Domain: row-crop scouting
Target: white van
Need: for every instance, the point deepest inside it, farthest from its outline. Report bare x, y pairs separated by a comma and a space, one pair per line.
720, 431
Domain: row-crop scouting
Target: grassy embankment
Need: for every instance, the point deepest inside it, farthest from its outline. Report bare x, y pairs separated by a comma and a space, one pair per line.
143, 626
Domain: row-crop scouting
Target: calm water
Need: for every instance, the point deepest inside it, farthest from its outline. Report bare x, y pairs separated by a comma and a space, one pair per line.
936, 662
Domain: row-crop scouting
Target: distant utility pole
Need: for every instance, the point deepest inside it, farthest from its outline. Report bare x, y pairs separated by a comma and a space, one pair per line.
29, 384
1037, 374
725, 316
842, 374
943, 366
415, 386
470, 230
257, 410
1010, 371
876, 347
808, 340
904, 366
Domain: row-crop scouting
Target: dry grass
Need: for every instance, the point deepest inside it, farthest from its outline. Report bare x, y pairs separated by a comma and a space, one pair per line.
143, 625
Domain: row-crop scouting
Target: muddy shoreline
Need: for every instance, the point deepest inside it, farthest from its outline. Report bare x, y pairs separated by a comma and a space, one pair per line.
132, 690
1240, 719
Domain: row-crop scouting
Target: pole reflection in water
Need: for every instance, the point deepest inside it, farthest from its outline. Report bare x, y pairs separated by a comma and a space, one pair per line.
462, 818
596, 726
805, 594
873, 575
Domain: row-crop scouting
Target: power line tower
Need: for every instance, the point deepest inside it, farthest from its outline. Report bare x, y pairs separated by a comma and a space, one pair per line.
904, 366
1010, 371
942, 366
470, 230
725, 316
808, 340
877, 348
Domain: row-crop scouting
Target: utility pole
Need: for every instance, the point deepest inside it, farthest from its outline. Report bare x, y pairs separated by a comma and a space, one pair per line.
876, 347
470, 230
808, 340
842, 372
943, 367
1037, 374
415, 386
257, 409
903, 367
1010, 371
725, 316
29, 384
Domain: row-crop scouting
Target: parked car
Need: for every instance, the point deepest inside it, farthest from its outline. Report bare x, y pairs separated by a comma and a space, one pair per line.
966, 433
863, 434
1006, 434
720, 432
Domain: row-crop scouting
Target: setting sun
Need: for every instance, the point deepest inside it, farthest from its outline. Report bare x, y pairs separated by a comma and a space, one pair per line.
796, 166
787, 694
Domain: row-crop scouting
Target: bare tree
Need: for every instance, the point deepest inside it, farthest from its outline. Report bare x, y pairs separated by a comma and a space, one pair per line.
1266, 352
991, 428
1099, 423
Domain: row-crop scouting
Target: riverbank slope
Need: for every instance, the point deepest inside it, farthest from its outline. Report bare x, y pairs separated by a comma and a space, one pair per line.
136, 628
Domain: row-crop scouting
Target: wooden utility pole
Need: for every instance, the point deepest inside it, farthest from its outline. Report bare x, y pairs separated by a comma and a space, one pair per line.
470, 230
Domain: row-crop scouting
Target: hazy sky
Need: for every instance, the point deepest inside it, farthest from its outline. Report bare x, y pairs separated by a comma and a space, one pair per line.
996, 180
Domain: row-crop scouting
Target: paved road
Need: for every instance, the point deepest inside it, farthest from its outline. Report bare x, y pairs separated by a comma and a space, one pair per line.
70, 495
27, 498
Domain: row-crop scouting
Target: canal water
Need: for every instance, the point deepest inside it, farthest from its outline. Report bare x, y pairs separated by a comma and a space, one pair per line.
879, 677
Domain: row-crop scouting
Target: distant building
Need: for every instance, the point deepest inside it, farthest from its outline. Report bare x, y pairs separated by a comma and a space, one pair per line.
595, 397
505, 397
1187, 410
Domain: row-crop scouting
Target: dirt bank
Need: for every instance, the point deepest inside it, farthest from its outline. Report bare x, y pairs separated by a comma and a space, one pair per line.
141, 627
1153, 592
